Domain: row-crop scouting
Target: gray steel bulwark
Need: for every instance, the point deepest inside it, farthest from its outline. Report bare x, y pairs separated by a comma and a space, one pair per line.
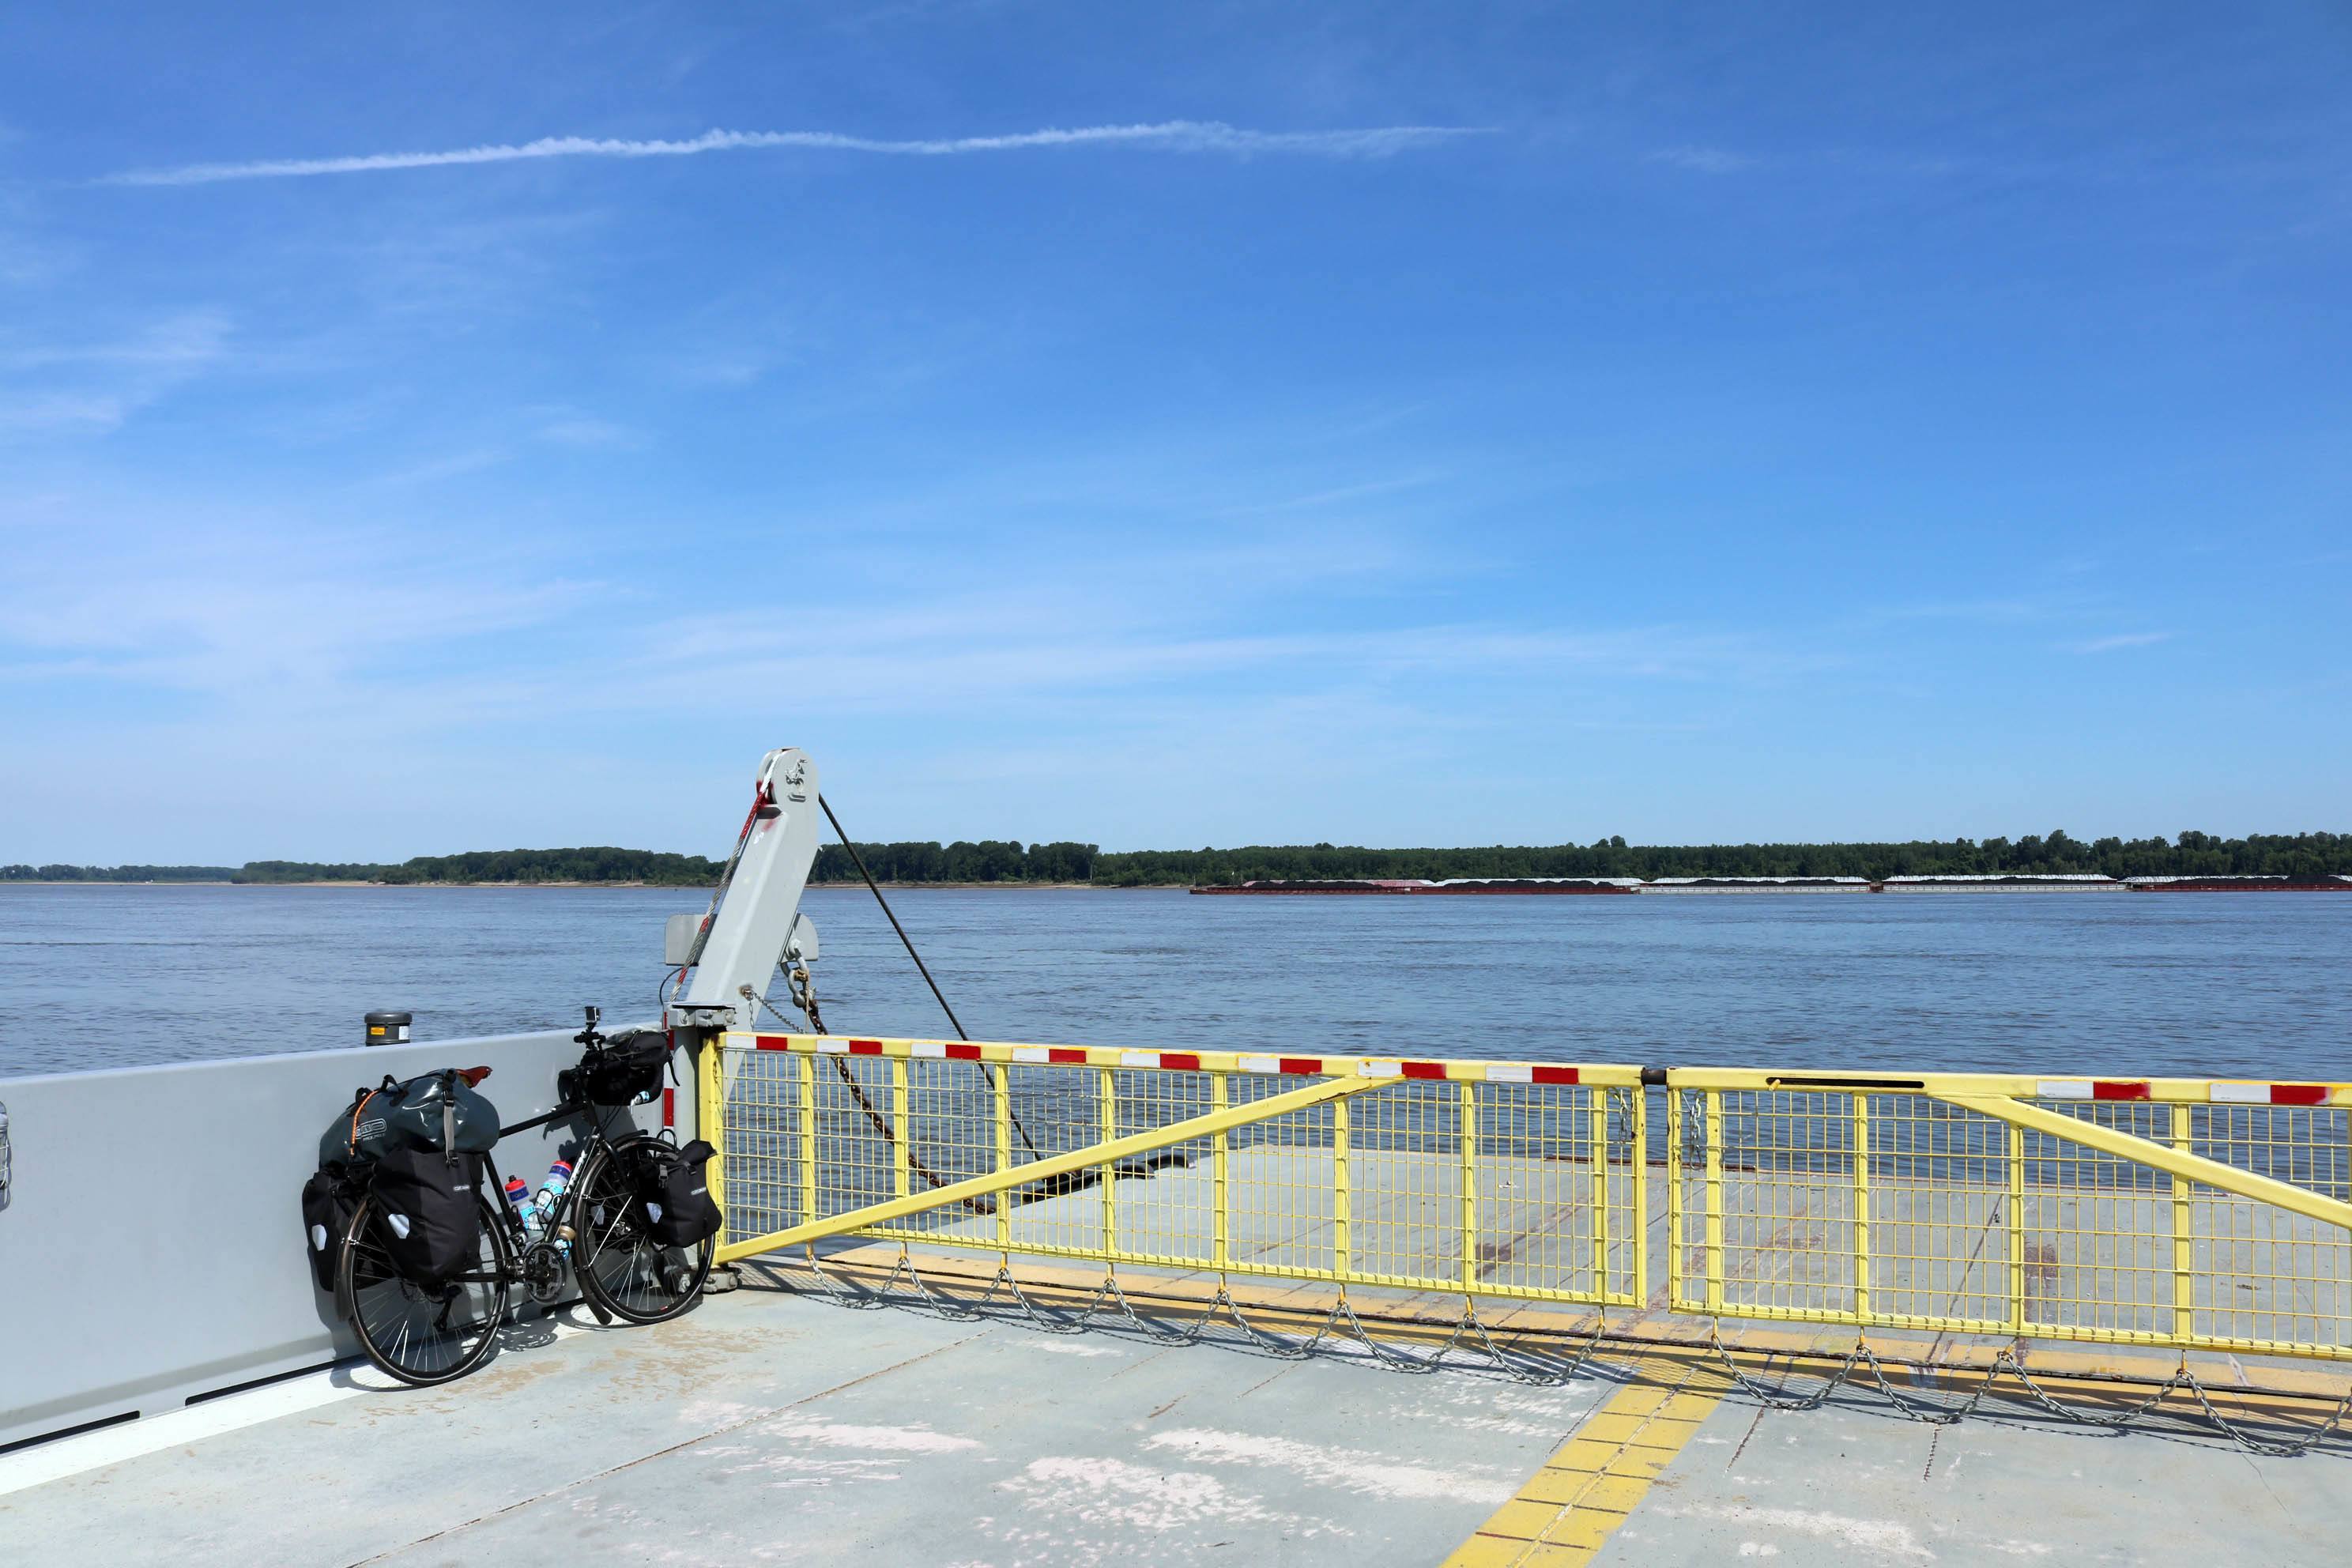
151, 1250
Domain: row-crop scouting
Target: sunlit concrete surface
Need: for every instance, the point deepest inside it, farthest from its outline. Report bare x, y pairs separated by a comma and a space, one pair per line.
774, 1426
1847, 1484
770, 1427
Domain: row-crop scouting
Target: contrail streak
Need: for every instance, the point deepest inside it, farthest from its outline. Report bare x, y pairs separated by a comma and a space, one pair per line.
1169, 136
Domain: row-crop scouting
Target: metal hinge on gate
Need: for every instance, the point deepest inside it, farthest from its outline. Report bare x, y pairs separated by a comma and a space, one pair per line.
4, 1155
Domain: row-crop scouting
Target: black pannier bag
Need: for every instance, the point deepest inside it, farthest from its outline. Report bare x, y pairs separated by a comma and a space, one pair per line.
329, 1198
419, 1117
428, 1212
626, 1069
674, 1191
433, 1110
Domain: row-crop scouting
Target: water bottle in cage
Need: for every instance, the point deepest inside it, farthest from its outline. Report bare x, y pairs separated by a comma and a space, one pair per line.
550, 1193
519, 1194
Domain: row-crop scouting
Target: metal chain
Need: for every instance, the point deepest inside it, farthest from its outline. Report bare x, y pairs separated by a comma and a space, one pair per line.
2277, 1448
1517, 1367
1619, 1122
1042, 1322
804, 996
1470, 1332
1933, 1411
2005, 1364
858, 1299
940, 1304
1190, 1334
1694, 1119
1520, 1367
1772, 1398
1393, 1360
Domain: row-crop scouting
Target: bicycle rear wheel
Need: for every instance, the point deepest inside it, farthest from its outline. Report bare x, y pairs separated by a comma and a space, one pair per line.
422, 1338
620, 1268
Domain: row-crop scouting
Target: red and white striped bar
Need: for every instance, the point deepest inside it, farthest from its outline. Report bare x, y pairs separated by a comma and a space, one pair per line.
1590, 1075
2227, 1092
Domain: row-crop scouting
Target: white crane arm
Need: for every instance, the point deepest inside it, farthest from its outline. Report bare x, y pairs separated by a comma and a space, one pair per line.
749, 926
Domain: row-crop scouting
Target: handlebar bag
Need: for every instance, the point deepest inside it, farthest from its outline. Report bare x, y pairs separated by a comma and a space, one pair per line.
624, 1070
674, 1191
428, 1214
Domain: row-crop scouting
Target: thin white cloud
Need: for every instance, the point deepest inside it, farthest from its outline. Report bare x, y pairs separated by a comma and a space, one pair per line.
192, 338
1340, 495
93, 387
432, 470
1169, 136
1704, 159
2123, 640
571, 428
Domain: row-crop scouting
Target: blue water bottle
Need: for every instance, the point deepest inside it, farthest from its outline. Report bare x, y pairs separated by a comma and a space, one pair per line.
551, 1191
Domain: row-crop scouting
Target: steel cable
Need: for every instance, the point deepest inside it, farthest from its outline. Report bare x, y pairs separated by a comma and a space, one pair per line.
908, 944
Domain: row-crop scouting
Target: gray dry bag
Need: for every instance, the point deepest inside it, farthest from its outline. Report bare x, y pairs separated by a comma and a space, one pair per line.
434, 1112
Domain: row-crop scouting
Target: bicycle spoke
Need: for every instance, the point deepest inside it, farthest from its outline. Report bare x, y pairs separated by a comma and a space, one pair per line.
422, 1338
634, 1274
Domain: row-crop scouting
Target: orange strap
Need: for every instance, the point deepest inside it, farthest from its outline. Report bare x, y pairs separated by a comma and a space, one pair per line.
353, 1143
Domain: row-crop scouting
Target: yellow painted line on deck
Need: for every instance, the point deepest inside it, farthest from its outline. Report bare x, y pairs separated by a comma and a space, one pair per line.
1565, 1512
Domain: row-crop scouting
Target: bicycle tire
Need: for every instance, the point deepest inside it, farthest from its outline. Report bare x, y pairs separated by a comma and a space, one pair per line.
619, 1268
385, 1311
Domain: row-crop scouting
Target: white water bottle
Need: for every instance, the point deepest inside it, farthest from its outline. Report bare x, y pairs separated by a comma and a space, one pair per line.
550, 1193
526, 1211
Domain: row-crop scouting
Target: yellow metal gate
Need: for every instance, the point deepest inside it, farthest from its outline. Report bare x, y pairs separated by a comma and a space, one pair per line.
2193, 1214
2187, 1213
1486, 1178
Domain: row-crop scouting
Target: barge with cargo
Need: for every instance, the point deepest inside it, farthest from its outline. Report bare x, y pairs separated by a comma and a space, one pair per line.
2005, 882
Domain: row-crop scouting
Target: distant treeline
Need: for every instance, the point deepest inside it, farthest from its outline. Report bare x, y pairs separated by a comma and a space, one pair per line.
1008, 860
990, 860
589, 865
597, 863
2192, 854
116, 873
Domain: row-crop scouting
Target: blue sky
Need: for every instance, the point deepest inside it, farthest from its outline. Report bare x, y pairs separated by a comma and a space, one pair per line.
1399, 424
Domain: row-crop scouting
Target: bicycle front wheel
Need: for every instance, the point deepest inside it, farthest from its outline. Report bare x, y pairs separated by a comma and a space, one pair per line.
424, 1337
620, 1266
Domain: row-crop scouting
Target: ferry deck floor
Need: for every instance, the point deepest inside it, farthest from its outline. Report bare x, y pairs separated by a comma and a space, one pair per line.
773, 1425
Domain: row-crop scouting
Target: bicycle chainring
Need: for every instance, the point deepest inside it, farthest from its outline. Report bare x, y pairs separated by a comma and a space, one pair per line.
542, 1272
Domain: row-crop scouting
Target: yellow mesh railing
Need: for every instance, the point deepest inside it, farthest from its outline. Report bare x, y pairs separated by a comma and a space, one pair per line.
2183, 1213
1970, 1204
1487, 1179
